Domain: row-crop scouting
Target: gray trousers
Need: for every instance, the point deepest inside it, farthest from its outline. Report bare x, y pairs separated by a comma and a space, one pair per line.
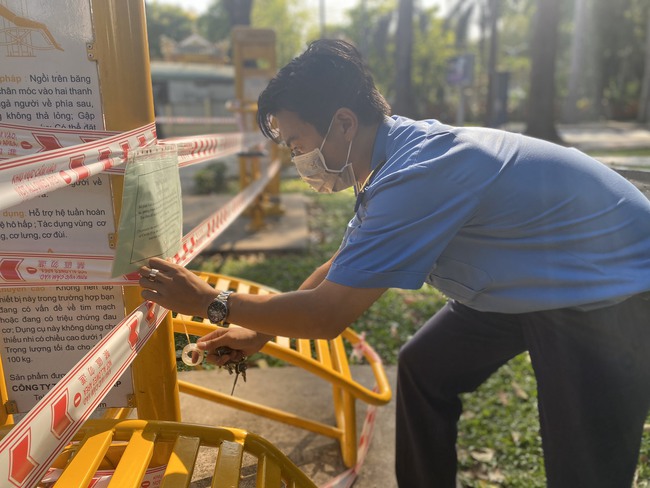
593, 380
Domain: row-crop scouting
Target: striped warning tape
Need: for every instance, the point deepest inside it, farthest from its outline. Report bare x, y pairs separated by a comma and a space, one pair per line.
30, 175
43, 160
348, 477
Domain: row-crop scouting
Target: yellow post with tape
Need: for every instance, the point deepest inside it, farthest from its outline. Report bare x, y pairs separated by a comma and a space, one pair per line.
122, 53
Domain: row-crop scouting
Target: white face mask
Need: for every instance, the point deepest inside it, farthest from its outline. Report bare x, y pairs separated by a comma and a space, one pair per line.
313, 170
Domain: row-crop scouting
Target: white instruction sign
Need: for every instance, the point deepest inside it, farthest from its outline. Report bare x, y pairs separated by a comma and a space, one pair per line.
45, 331
49, 79
46, 78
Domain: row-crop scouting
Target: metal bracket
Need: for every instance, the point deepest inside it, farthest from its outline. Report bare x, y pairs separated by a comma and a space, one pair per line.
112, 240
91, 54
131, 401
11, 407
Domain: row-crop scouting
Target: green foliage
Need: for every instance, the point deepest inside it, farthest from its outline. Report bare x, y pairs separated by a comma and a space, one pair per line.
432, 47
168, 20
214, 24
619, 45
287, 18
371, 29
211, 179
498, 433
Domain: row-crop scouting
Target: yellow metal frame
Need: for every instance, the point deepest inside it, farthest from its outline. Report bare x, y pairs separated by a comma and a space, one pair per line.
326, 359
254, 56
122, 52
132, 446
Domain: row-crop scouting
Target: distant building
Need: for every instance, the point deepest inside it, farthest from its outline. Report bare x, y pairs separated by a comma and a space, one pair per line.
194, 49
192, 85
190, 90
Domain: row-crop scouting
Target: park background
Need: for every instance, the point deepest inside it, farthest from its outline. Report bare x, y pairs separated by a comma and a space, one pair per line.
543, 67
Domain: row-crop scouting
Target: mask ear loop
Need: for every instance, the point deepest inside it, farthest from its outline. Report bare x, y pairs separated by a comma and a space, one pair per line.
327, 134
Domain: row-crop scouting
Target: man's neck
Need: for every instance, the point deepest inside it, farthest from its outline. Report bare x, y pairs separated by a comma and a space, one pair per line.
365, 143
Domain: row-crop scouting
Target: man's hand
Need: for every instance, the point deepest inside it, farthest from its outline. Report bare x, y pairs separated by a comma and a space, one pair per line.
240, 341
175, 288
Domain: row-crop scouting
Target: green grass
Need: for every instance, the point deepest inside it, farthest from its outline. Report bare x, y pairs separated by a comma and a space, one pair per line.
631, 152
499, 443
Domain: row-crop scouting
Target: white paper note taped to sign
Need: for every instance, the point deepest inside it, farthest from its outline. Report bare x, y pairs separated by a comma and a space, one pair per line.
151, 220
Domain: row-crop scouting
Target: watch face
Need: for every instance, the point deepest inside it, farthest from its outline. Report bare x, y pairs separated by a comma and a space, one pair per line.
217, 311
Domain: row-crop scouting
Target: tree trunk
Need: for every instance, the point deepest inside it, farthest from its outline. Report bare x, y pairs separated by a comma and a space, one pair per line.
491, 102
644, 103
541, 111
577, 68
404, 104
239, 11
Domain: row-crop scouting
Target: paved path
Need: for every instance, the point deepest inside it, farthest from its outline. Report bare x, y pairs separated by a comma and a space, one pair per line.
292, 389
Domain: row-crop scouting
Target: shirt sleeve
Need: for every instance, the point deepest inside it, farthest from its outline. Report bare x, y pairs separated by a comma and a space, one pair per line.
407, 218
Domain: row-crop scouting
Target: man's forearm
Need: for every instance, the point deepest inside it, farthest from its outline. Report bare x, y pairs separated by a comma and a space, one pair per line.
296, 314
317, 277
322, 309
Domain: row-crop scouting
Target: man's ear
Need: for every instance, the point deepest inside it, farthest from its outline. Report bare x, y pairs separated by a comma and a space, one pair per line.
347, 123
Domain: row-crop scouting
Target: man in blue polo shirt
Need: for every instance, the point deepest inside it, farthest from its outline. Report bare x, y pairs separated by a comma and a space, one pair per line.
538, 247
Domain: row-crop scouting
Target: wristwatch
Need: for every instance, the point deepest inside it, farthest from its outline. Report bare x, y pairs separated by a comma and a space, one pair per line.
218, 308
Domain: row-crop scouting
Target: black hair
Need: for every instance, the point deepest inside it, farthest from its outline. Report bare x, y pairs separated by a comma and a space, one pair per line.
329, 75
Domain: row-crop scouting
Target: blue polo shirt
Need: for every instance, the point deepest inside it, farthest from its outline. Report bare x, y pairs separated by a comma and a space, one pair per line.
498, 221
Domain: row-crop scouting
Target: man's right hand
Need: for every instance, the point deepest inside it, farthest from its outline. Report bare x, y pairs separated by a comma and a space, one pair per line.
240, 341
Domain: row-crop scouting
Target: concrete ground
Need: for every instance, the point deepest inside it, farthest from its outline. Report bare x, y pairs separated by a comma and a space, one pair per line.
295, 390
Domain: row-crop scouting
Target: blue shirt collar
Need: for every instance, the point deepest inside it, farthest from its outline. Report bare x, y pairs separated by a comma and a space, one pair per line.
379, 149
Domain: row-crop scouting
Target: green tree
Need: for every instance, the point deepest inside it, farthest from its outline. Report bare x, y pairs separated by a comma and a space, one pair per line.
433, 45
619, 45
168, 20
288, 19
644, 103
285, 17
404, 102
214, 24
575, 87
489, 13
370, 29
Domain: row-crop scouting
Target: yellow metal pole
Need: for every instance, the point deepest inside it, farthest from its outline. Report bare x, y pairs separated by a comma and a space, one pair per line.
122, 53
5, 417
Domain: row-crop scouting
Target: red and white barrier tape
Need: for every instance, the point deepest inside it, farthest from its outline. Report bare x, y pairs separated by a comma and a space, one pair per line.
203, 234
83, 161
24, 178
164, 119
49, 269
44, 160
348, 477
197, 149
